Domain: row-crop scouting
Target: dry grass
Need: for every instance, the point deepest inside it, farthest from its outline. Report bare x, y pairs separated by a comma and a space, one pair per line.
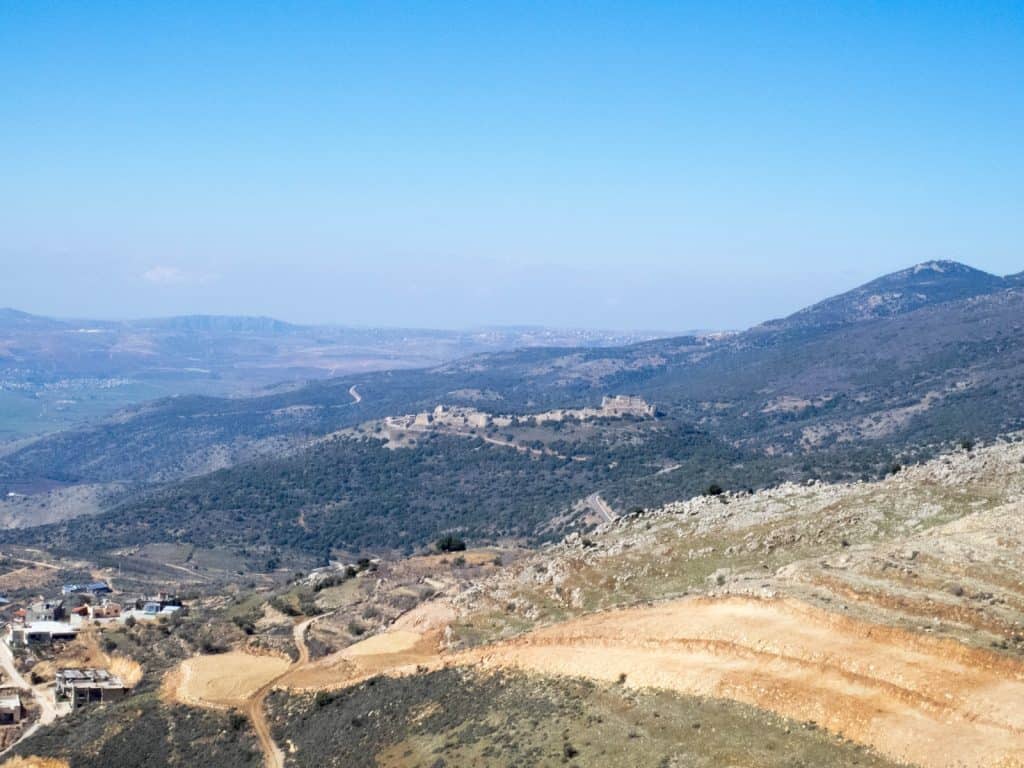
34, 762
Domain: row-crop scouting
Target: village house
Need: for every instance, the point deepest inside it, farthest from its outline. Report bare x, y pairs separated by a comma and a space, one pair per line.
161, 600
152, 607
39, 633
104, 610
11, 709
44, 610
88, 686
94, 588
152, 610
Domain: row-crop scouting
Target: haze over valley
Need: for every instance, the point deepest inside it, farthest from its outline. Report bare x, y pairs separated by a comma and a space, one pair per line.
511, 386
57, 373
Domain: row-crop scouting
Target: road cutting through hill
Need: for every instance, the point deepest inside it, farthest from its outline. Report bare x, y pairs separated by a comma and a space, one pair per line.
933, 702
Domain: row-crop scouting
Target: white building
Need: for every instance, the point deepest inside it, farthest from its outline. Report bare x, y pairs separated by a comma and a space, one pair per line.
39, 633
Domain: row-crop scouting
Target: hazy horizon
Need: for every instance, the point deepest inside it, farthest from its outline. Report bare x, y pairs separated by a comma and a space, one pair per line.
656, 167
461, 328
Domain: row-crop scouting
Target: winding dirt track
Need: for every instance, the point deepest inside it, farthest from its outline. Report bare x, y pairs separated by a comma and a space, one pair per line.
273, 757
47, 709
914, 698
242, 681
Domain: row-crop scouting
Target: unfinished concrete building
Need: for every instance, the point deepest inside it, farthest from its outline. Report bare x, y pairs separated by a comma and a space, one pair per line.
89, 686
45, 610
12, 711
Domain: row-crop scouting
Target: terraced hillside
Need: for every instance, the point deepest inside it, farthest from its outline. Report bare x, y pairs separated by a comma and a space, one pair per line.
792, 612
874, 621
936, 546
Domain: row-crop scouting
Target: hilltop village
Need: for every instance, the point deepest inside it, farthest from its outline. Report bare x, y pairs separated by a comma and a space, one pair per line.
54, 658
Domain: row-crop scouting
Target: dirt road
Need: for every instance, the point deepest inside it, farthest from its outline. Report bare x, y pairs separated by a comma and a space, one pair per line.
273, 756
240, 680
37, 563
47, 708
914, 698
189, 571
356, 397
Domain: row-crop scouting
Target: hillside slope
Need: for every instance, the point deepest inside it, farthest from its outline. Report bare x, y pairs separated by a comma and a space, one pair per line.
925, 284
829, 401
56, 374
944, 370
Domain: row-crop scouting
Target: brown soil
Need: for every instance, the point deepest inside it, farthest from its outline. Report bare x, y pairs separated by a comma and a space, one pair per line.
398, 652
933, 702
930, 701
28, 577
34, 762
224, 680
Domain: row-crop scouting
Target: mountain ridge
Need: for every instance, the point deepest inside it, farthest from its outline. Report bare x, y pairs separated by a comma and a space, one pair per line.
899, 292
841, 401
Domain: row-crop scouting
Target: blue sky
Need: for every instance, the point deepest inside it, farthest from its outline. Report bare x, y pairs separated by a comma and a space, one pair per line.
633, 165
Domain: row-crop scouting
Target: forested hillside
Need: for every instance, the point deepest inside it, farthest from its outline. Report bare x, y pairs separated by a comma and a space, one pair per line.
846, 398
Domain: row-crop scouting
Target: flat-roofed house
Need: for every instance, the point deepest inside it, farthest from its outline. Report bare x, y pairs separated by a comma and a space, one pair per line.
94, 588
105, 610
39, 633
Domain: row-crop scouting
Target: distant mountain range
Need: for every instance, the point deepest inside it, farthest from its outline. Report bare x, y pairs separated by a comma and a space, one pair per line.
55, 373
37, 346
896, 369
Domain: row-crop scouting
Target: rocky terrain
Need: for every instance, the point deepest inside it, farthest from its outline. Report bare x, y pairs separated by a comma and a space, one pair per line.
900, 369
931, 282
799, 544
862, 623
934, 547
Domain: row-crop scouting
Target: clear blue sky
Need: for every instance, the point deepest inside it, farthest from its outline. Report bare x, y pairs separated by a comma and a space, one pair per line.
637, 164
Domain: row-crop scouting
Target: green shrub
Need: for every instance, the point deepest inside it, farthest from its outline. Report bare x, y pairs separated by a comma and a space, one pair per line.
450, 543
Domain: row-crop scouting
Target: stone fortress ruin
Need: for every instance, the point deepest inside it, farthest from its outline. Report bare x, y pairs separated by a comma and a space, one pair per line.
463, 417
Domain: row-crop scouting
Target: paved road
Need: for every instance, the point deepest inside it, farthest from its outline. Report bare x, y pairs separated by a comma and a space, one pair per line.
356, 397
601, 507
